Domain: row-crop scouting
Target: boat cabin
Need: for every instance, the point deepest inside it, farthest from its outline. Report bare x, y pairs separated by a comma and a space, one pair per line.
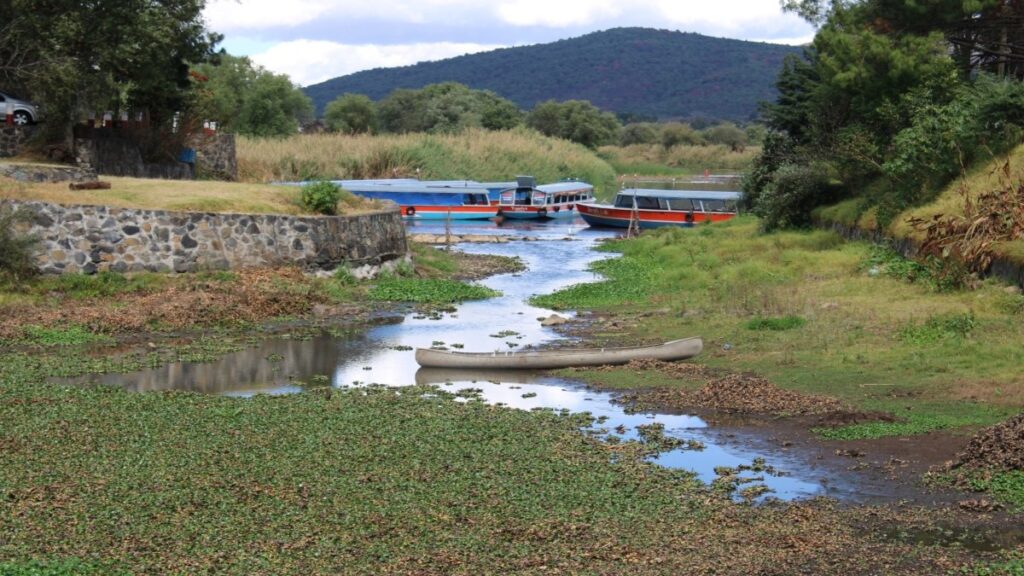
697, 201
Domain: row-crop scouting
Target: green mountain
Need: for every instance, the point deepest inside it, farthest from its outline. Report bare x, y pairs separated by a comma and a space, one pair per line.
641, 71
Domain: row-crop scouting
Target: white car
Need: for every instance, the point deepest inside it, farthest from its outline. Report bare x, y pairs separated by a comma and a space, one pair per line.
24, 113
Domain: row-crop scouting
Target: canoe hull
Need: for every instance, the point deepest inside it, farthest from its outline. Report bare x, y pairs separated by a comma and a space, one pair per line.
551, 359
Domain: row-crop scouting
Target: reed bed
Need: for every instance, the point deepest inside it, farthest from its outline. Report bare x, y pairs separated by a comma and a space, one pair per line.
656, 160
473, 154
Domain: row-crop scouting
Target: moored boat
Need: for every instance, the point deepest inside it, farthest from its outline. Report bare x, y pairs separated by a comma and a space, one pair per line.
429, 200
551, 359
556, 200
649, 208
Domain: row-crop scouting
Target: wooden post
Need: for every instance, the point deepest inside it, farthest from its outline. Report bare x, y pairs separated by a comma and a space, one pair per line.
448, 231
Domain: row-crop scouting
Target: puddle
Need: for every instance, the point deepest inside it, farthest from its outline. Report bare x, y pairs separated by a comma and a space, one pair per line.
384, 355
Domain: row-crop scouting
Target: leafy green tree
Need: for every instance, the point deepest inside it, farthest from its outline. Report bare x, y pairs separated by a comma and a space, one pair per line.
72, 56
446, 107
351, 114
638, 133
897, 91
248, 99
678, 133
576, 120
728, 134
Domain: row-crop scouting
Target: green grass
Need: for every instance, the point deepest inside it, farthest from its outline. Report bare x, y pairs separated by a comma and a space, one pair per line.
775, 324
68, 336
67, 567
957, 326
428, 290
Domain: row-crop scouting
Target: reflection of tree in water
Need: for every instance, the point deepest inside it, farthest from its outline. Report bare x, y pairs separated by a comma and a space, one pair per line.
274, 363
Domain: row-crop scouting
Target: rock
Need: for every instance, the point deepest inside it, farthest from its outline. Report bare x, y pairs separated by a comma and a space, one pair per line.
553, 320
829, 306
1013, 290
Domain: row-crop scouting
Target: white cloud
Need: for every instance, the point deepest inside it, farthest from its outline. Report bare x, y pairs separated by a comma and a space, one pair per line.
312, 61
557, 14
234, 15
748, 16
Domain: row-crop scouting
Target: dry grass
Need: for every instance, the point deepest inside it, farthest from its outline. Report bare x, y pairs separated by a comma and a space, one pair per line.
178, 195
982, 178
655, 160
473, 154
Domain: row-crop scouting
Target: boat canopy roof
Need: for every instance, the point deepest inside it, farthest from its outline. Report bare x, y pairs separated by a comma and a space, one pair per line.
412, 187
682, 194
564, 187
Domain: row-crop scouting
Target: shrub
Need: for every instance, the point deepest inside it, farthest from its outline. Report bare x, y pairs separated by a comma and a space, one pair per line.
16, 250
321, 197
676, 133
794, 191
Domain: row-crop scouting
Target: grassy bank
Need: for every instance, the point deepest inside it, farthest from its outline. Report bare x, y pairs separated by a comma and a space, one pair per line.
818, 315
474, 154
860, 212
656, 160
179, 195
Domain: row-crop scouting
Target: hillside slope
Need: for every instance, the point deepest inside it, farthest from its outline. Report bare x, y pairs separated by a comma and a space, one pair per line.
642, 71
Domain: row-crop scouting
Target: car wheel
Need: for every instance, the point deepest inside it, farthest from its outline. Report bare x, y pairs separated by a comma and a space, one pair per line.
22, 118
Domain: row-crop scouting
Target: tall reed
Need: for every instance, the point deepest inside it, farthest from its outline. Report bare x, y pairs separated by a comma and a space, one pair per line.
474, 154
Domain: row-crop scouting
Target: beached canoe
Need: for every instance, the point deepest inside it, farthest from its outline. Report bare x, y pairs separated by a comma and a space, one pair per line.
548, 359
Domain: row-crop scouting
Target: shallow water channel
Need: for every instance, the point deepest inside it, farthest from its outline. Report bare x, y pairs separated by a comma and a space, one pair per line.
558, 257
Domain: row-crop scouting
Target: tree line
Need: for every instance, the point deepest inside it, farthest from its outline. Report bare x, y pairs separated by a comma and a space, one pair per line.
155, 60
892, 100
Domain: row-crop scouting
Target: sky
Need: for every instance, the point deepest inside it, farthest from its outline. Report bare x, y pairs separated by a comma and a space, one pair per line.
315, 40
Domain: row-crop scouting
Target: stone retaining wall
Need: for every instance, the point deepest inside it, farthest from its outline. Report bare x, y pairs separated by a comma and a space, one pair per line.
215, 155
12, 138
43, 173
90, 239
108, 152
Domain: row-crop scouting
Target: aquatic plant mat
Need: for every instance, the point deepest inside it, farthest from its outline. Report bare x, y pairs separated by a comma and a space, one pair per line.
384, 481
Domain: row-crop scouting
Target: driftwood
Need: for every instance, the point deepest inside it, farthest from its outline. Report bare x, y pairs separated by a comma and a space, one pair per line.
97, 185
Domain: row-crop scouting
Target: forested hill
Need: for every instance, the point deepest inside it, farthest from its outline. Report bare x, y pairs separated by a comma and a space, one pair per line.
625, 70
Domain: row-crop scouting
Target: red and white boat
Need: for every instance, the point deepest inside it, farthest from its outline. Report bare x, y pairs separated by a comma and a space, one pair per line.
650, 208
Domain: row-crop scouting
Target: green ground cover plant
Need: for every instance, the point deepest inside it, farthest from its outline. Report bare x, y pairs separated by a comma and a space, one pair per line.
368, 481
775, 324
428, 290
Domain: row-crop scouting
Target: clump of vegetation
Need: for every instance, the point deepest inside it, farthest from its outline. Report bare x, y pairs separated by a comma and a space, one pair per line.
428, 290
62, 336
321, 197
775, 324
16, 250
938, 328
